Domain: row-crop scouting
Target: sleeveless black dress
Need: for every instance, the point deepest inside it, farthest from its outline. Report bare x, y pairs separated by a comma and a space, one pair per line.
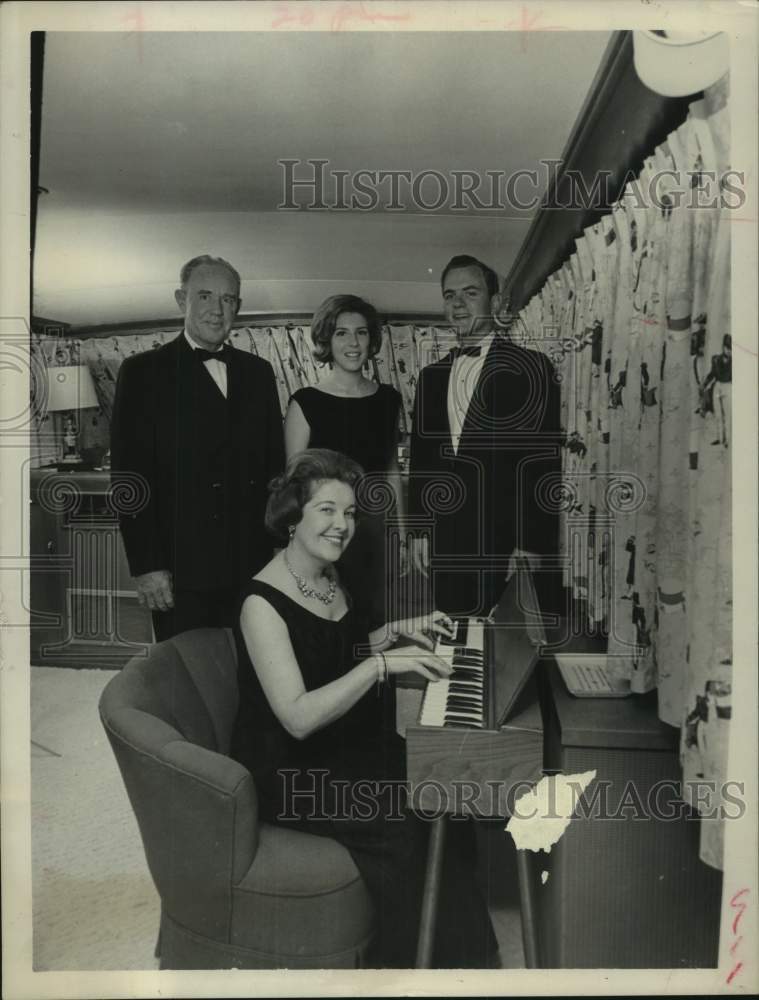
365, 428
361, 745
359, 802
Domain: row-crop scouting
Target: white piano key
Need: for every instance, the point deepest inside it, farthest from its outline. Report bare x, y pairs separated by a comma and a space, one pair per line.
468, 684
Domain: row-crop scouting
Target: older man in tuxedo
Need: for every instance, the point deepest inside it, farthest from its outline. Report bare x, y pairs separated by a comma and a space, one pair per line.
485, 446
200, 424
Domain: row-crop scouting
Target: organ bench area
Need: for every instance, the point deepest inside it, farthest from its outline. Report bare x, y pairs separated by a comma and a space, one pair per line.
619, 893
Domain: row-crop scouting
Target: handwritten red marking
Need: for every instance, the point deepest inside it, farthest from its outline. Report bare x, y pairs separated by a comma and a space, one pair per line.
741, 907
527, 22
304, 17
137, 18
297, 15
736, 969
737, 903
359, 11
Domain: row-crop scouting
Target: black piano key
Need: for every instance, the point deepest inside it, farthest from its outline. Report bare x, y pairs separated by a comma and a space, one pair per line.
459, 671
458, 699
454, 717
458, 638
456, 724
465, 711
460, 684
476, 654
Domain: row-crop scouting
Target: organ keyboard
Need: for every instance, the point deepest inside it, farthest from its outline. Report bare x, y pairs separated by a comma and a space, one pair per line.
482, 724
459, 700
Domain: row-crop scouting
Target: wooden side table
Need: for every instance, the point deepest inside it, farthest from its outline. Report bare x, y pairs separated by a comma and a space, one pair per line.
83, 607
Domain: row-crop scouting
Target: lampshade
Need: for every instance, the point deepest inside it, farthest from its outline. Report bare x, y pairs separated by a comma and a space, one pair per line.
70, 388
677, 63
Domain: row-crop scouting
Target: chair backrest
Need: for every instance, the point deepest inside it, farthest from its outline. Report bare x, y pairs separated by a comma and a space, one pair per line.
188, 682
169, 719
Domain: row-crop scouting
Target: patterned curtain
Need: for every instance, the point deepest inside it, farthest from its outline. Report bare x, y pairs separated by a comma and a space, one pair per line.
637, 323
287, 348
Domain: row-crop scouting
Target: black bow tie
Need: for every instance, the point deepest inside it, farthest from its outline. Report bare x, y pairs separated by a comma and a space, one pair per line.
222, 355
468, 352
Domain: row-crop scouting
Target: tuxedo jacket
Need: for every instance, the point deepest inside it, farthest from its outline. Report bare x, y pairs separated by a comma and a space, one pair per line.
495, 493
198, 465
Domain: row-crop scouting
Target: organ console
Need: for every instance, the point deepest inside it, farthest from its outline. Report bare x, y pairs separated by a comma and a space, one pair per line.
477, 744
482, 725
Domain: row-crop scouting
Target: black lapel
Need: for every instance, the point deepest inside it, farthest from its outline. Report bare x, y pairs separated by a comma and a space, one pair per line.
239, 402
435, 405
482, 403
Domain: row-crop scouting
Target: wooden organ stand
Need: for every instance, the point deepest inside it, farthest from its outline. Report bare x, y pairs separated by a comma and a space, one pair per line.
478, 768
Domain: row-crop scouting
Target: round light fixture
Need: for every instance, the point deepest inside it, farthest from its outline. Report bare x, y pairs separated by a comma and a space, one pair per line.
678, 63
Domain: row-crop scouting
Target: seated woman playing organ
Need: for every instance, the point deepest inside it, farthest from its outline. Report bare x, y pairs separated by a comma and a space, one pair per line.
316, 724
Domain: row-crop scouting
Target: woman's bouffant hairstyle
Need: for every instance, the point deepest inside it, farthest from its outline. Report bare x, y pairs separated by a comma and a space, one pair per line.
324, 323
288, 494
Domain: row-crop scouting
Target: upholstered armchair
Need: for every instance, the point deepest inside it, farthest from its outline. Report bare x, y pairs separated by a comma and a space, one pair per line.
235, 893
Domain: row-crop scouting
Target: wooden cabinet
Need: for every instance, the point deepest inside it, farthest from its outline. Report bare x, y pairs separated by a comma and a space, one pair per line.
625, 887
83, 609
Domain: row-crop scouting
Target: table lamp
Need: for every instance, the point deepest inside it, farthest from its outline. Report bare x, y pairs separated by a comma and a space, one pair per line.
70, 388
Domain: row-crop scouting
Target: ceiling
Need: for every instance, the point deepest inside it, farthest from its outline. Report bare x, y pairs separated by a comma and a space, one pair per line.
159, 146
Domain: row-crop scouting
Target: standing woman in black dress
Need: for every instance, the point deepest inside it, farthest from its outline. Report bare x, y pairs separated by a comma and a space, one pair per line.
357, 417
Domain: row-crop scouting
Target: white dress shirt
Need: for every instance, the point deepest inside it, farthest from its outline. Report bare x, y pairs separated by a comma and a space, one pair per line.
216, 369
465, 372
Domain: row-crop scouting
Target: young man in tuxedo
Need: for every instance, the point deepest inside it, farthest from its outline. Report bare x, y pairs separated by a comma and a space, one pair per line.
197, 427
485, 453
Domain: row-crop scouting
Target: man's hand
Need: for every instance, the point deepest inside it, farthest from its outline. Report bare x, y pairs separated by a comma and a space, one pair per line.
154, 590
419, 555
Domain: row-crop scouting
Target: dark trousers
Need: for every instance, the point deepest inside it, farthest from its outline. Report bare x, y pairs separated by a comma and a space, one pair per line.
196, 609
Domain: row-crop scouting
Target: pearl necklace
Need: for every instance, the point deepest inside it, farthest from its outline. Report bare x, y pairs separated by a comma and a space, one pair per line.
309, 591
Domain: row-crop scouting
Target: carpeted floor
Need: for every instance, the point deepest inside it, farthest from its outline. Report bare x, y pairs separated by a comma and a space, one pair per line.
95, 907
94, 903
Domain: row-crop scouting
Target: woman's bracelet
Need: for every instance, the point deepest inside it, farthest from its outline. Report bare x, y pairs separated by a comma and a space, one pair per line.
381, 669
